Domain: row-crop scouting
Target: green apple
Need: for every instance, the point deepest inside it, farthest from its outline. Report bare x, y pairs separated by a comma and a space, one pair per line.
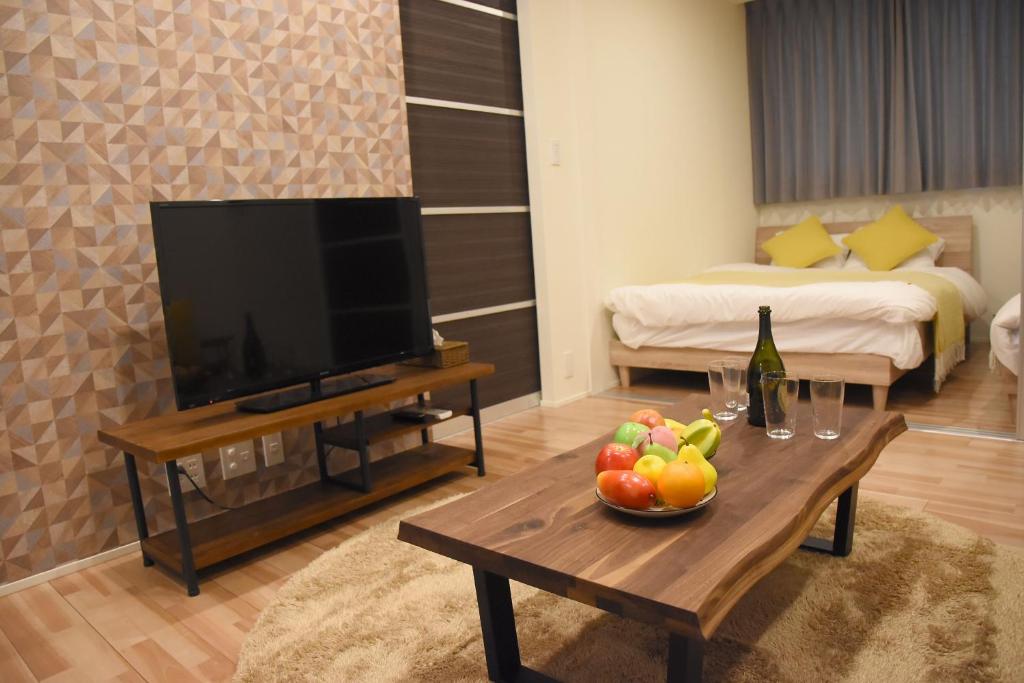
628, 432
666, 454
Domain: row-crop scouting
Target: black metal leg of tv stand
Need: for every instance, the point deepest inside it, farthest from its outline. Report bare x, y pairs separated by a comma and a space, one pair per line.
188, 565
366, 483
141, 526
421, 400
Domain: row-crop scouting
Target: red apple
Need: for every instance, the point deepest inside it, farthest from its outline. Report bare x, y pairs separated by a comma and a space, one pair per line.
627, 489
649, 417
616, 456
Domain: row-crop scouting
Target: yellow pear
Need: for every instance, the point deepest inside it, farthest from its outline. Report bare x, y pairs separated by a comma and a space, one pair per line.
693, 455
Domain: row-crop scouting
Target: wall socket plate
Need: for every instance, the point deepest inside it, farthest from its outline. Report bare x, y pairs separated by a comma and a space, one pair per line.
273, 449
193, 464
237, 459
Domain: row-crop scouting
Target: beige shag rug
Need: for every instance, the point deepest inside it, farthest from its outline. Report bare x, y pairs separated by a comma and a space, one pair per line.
918, 600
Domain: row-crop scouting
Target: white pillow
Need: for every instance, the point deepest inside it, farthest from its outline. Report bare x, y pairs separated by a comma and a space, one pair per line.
835, 262
832, 262
925, 258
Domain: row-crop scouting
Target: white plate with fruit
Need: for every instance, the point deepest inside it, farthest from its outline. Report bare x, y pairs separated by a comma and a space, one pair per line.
657, 467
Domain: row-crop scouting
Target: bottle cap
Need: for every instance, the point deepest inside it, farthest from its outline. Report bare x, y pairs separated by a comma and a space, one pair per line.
764, 310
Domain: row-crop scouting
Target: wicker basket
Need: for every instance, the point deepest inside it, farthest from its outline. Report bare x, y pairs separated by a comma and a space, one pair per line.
448, 354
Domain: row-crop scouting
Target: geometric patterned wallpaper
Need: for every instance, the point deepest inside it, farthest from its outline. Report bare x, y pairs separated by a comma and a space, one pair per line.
105, 106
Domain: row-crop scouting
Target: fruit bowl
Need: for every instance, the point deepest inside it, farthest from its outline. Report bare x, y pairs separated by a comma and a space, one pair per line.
660, 510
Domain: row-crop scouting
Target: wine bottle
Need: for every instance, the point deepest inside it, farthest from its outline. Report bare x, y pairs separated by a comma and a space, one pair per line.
765, 359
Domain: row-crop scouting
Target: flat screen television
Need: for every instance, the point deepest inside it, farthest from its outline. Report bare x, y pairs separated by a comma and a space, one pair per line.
263, 294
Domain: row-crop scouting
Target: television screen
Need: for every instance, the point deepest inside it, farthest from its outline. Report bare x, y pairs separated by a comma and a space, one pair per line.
262, 294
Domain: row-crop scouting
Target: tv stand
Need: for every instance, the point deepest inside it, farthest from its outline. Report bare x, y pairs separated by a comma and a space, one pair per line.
318, 390
188, 547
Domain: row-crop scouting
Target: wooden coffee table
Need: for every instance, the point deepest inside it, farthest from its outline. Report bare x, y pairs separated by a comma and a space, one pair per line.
544, 527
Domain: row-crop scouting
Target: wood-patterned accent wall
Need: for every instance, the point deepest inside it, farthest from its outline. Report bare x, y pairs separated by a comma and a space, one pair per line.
458, 60
105, 106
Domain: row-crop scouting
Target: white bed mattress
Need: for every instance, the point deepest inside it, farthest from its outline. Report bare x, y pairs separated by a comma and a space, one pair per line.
1005, 335
883, 318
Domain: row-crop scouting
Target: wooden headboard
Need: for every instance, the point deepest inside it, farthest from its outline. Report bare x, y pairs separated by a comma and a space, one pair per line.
958, 231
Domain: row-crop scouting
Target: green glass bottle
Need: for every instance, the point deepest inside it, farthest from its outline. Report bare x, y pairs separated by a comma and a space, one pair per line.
765, 359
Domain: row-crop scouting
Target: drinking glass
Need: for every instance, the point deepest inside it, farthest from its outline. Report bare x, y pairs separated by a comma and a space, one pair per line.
724, 379
827, 405
780, 390
742, 397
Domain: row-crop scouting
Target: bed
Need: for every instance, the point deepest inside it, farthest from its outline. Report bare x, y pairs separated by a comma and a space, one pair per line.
874, 351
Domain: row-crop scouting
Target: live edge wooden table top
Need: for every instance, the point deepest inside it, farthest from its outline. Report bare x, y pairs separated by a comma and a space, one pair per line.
545, 528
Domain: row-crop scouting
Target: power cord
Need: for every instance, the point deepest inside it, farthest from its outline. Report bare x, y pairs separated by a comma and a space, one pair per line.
211, 501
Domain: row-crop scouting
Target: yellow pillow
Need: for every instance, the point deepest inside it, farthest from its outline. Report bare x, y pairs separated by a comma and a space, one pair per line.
805, 243
890, 240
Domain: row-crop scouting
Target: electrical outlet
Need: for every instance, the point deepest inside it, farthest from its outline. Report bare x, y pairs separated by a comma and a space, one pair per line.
237, 459
273, 449
567, 360
193, 464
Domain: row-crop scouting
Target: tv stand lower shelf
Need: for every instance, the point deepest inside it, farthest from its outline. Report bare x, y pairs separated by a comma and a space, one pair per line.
234, 532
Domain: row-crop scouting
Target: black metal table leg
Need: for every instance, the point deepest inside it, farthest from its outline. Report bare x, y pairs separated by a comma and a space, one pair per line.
685, 659
364, 452
188, 565
842, 541
474, 398
498, 624
140, 510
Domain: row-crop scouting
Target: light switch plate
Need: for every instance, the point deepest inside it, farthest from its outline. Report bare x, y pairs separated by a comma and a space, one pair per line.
193, 464
237, 459
273, 449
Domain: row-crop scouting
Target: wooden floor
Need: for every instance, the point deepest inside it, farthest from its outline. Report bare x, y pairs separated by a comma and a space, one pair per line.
973, 397
120, 621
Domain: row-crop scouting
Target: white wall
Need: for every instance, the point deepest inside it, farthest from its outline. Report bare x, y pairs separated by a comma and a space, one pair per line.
997, 230
648, 103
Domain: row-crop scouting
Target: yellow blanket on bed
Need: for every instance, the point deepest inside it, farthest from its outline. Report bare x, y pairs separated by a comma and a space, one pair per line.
948, 335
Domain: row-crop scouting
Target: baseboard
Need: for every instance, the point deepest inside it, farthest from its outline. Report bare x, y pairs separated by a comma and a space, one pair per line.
69, 568
488, 414
564, 401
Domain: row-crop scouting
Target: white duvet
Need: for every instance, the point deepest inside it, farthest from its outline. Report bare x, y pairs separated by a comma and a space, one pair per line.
881, 318
1005, 335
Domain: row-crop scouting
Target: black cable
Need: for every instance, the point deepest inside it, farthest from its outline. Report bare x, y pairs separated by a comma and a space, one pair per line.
211, 501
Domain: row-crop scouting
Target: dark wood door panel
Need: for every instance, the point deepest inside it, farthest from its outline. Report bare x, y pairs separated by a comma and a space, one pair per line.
478, 260
509, 340
453, 53
503, 5
467, 158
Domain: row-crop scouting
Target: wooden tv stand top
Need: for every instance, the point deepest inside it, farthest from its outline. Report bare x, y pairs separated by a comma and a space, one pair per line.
169, 437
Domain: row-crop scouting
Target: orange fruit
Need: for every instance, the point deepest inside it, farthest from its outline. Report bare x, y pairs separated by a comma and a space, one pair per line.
681, 484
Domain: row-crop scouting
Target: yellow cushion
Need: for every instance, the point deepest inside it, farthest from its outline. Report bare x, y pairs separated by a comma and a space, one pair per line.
805, 243
890, 240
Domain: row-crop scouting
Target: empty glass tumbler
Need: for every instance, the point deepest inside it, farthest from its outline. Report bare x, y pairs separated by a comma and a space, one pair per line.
827, 405
780, 390
724, 378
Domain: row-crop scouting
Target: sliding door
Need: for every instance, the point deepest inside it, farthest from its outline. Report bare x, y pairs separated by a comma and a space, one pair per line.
464, 99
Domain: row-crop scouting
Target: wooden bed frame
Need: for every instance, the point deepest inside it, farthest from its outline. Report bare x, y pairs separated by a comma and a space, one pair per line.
856, 368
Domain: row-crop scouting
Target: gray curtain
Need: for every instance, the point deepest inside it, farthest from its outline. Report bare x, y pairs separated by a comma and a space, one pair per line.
867, 97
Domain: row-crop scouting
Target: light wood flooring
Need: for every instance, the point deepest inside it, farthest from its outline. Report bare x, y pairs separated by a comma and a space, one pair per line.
121, 621
973, 397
